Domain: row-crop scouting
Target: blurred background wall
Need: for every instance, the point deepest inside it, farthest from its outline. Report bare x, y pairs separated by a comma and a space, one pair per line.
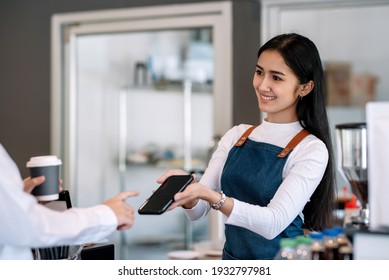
25, 67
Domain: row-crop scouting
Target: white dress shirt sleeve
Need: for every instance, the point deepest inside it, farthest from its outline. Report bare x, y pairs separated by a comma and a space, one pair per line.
27, 224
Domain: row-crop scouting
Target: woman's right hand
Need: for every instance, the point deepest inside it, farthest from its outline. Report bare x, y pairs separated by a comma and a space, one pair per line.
190, 196
194, 192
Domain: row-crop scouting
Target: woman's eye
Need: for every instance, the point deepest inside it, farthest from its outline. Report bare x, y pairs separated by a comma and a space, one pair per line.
259, 72
276, 78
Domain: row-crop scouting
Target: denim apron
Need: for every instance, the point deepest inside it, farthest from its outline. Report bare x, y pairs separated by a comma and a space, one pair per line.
252, 173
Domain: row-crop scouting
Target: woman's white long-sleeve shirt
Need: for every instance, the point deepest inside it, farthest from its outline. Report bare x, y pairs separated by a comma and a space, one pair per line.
25, 224
302, 173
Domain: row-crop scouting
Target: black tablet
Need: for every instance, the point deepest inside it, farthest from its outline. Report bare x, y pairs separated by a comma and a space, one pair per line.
163, 197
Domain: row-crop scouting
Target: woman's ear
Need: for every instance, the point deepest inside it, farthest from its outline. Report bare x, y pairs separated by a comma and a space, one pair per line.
306, 88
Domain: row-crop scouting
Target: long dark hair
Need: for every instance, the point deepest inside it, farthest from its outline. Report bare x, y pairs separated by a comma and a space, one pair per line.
302, 56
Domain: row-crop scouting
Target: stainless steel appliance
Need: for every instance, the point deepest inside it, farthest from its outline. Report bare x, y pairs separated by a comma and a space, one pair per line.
351, 143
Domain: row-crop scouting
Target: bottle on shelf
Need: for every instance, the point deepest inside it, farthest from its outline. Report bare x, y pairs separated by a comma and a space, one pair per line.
341, 237
345, 252
331, 245
287, 249
303, 247
351, 210
317, 246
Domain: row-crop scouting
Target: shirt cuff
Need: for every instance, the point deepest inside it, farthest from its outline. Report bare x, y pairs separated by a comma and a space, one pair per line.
198, 211
234, 216
107, 217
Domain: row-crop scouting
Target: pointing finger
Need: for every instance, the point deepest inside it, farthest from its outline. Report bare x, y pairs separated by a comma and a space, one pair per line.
127, 194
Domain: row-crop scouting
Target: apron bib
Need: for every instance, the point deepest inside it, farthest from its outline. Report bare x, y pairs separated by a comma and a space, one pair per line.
253, 173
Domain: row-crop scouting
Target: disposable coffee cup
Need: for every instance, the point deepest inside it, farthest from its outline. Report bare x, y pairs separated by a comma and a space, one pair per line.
47, 166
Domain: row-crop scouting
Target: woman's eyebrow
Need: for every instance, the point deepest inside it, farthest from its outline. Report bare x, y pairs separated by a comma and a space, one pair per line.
272, 71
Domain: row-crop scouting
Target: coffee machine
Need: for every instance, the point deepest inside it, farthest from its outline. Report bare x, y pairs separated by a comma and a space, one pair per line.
351, 144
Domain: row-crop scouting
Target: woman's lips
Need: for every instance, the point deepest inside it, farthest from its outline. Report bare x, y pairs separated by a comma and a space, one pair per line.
268, 98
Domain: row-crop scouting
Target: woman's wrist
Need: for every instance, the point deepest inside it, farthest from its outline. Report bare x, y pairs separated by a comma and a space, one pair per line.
217, 205
222, 202
191, 204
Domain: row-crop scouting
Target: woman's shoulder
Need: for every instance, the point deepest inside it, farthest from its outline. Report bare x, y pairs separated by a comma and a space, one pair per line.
311, 146
234, 133
238, 130
313, 140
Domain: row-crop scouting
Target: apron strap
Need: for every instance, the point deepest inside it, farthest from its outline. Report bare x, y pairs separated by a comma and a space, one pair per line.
245, 135
293, 143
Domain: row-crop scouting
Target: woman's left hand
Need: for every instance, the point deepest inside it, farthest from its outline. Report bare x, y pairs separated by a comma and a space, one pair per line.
171, 172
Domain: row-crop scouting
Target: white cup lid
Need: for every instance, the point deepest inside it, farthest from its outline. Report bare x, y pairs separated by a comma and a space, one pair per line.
43, 161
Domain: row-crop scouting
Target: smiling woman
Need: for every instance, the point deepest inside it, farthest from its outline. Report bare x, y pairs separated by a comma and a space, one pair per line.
276, 179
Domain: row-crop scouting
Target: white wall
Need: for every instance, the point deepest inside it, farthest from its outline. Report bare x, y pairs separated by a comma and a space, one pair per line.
352, 34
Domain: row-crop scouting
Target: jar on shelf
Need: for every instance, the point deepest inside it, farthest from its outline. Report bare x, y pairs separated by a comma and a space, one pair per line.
287, 249
317, 246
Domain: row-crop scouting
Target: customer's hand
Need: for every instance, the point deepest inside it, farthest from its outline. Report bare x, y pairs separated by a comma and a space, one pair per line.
124, 212
30, 183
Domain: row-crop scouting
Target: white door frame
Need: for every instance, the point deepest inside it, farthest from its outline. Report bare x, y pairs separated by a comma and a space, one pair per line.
271, 11
64, 27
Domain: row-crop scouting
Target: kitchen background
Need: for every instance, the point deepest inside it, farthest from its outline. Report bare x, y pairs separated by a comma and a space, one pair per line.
133, 93
347, 36
25, 68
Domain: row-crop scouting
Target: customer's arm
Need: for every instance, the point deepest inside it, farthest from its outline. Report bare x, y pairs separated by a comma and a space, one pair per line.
26, 223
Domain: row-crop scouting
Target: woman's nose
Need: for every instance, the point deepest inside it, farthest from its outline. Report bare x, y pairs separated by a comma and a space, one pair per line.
263, 84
